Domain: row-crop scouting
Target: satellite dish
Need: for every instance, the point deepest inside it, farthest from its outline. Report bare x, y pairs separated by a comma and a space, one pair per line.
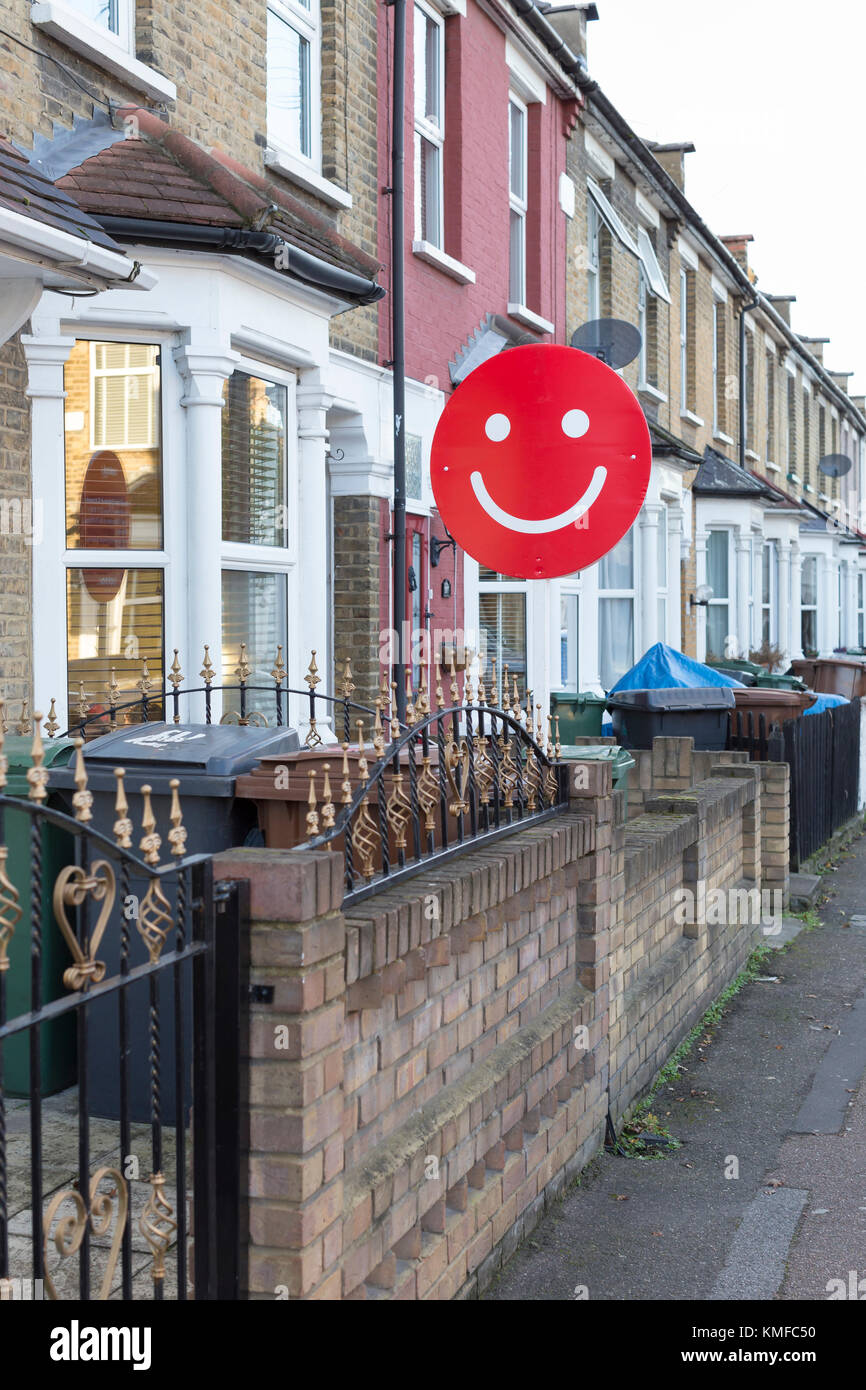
834, 465
612, 341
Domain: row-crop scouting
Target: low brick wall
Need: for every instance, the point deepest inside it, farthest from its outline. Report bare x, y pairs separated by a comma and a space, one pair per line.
673, 764
427, 1069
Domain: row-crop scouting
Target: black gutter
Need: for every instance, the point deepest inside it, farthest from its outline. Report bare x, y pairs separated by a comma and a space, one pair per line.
744, 309
398, 345
571, 63
298, 263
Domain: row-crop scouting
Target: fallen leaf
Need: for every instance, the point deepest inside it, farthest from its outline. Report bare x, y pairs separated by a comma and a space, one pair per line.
620, 1197
658, 1233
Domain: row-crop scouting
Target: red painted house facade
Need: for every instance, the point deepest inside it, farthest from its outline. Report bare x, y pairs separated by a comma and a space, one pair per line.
488, 116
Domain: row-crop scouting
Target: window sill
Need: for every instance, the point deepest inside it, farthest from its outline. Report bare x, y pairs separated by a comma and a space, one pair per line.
750, 454
426, 251
792, 478
100, 47
722, 438
822, 497
647, 390
691, 417
535, 321
772, 468
282, 162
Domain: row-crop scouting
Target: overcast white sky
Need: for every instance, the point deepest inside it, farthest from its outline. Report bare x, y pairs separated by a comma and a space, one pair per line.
772, 93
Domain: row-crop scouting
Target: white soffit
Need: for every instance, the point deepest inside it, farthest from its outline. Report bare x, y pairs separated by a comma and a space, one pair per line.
599, 156
527, 80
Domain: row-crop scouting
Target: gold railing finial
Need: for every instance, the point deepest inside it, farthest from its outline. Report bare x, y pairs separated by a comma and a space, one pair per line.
378, 733
539, 728
51, 725
482, 690
122, 828
312, 813
145, 685
312, 677
328, 808
506, 698
494, 689
410, 698
37, 775
242, 670
175, 674
279, 672
454, 687
83, 699
422, 704
150, 841
549, 749
395, 722
23, 725
440, 698
557, 747
362, 759
348, 686
515, 701
177, 834
82, 799
207, 671
4, 761
467, 688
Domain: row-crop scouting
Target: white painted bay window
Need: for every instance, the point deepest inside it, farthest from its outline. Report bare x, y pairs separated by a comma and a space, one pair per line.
114, 558
719, 580
258, 524
569, 634
502, 619
769, 592
616, 594
809, 604
861, 609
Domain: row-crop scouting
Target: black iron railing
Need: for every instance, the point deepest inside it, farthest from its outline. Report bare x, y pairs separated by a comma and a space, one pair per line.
111, 973
453, 780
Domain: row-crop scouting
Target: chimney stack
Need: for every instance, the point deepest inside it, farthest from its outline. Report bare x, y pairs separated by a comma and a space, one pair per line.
570, 23
782, 304
672, 158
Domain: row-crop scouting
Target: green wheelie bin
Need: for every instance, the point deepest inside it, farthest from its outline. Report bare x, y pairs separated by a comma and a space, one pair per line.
57, 1038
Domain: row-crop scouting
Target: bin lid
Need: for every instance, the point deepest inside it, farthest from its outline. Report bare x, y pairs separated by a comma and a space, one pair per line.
576, 701
17, 749
697, 698
598, 753
212, 750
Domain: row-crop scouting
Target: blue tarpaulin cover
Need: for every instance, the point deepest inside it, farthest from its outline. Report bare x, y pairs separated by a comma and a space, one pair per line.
663, 668
826, 702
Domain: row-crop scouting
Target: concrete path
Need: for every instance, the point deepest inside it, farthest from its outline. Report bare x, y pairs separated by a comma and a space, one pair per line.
767, 1197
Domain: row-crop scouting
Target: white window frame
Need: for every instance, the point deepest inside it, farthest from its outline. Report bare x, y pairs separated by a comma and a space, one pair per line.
809, 607
124, 31
593, 261
126, 443
718, 311
861, 608
111, 50
242, 555
572, 685
684, 339
728, 600
630, 594
663, 574
770, 605
306, 22
517, 204
643, 290
434, 134
653, 271
500, 587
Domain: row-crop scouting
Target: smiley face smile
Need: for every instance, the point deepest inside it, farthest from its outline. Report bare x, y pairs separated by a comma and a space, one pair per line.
546, 524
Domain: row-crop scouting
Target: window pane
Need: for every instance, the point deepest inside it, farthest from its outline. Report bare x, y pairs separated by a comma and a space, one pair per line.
416, 597
103, 12
615, 639
428, 172
517, 150
809, 580
516, 261
254, 611
616, 569
427, 68
765, 575
717, 563
717, 629
253, 461
568, 637
503, 630
114, 622
663, 619
414, 467
288, 86
113, 454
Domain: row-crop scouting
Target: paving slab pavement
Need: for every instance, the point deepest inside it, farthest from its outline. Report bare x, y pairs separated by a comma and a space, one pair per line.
750, 1207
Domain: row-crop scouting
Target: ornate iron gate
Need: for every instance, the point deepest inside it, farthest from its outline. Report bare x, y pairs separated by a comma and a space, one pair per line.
92, 1203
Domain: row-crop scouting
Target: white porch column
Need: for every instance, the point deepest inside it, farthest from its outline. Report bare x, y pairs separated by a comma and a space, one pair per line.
851, 603
795, 617
46, 357
743, 546
315, 581
674, 635
828, 595
648, 633
204, 368
784, 614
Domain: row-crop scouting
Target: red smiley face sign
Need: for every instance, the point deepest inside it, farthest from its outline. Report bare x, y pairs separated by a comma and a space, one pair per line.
541, 461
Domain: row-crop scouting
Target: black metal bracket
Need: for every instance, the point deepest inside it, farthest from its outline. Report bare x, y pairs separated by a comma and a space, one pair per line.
262, 994
437, 546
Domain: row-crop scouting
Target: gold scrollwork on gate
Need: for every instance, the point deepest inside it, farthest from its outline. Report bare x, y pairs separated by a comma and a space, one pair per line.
98, 1213
72, 886
154, 920
10, 912
157, 1224
457, 760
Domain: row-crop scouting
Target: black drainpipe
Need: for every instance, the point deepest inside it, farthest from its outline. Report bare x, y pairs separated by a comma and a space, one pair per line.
299, 263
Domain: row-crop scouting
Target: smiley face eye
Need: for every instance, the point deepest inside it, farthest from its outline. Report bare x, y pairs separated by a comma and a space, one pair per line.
497, 428
575, 423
